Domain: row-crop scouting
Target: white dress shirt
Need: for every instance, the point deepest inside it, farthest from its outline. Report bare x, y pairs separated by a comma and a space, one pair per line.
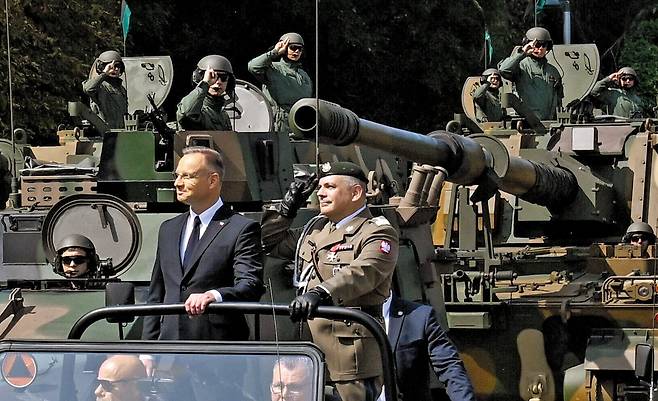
205, 217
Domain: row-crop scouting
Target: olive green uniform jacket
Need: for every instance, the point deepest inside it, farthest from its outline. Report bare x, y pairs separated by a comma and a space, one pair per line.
202, 112
355, 265
487, 104
538, 83
620, 102
284, 83
109, 99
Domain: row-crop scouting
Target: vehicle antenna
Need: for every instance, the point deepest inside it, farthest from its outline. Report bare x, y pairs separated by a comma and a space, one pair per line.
14, 180
276, 330
317, 88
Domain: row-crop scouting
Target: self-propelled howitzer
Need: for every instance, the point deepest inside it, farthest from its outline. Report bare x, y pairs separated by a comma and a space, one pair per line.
479, 159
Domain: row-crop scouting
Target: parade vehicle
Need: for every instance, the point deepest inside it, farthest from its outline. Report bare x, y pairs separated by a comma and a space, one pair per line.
511, 230
543, 298
72, 369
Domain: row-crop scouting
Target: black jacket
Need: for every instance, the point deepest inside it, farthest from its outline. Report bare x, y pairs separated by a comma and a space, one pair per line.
228, 258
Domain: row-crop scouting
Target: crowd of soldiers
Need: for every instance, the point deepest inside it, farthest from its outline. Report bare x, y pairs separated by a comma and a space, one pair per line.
344, 257
279, 70
539, 84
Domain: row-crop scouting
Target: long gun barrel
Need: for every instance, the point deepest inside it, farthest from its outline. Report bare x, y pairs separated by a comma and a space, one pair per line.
468, 160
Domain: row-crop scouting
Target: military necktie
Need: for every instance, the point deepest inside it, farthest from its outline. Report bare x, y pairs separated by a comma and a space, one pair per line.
192, 242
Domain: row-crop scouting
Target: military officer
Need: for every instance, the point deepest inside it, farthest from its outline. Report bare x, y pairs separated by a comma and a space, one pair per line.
487, 98
109, 99
346, 257
538, 83
284, 81
618, 91
203, 108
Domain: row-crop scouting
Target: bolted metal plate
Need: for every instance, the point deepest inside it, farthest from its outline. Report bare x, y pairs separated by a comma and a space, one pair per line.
106, 220
251, 112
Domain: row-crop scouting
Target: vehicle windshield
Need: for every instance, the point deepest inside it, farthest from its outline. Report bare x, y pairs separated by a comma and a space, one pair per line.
191, 372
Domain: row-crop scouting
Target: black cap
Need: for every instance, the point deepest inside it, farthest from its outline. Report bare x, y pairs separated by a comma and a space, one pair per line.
342, 168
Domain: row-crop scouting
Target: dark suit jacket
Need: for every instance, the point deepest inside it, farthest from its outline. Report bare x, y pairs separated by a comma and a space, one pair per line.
228, 258
417, 338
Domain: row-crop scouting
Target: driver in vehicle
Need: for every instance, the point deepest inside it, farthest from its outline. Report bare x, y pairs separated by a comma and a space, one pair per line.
76, 259
291, 379
640, 234
117, 379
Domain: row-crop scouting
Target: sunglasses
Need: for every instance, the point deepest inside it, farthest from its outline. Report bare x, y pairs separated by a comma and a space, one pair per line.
540, 44
293, 389
109, 386
295, 48
638, 238
222, 76
627, 78
76, 260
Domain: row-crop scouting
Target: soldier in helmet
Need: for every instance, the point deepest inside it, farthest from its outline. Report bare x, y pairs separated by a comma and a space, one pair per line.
109, 99
203, 108
618, 92
640, 234
76, 258
538, 83
284, 81
487, 98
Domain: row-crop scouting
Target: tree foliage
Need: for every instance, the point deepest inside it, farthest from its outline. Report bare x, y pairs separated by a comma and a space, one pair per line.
53, 44
399, 63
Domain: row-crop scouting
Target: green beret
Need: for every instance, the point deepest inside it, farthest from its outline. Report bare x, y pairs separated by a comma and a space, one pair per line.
342, 168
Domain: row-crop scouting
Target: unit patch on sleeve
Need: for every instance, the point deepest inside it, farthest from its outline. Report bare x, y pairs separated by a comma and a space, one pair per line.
385, 247
380, 221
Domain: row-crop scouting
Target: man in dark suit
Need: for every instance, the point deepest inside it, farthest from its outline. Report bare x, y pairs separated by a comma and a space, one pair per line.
418, 341
209, 254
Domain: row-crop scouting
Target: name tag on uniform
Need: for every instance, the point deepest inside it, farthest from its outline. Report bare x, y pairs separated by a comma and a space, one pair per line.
341, 247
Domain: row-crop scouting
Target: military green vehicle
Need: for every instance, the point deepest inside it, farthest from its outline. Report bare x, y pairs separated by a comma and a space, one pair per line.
543, 298
74, 370
115, 187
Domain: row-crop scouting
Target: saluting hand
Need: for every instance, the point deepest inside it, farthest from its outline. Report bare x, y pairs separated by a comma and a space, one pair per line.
281, 46
529, 47
210, 76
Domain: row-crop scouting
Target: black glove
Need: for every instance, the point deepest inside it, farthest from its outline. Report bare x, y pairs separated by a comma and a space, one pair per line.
297, 194
304, 306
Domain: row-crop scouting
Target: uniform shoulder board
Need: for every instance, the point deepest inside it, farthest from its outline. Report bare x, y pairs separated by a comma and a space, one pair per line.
380, 221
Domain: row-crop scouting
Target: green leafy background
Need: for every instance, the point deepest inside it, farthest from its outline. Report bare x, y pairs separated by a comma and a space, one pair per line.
399, 63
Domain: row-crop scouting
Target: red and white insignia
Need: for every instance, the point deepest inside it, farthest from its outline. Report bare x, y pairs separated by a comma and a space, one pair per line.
385, 247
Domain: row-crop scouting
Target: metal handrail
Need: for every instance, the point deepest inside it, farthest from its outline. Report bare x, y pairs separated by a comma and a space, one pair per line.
327, 312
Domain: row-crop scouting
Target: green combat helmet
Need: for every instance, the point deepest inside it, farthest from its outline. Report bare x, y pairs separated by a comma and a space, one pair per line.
106, 58
629, 71
217, 63
293, 37
639, 227
540, 35
76, 241
488, 72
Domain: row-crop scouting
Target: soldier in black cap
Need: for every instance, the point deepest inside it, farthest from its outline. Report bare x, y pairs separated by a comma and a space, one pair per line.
346, 258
